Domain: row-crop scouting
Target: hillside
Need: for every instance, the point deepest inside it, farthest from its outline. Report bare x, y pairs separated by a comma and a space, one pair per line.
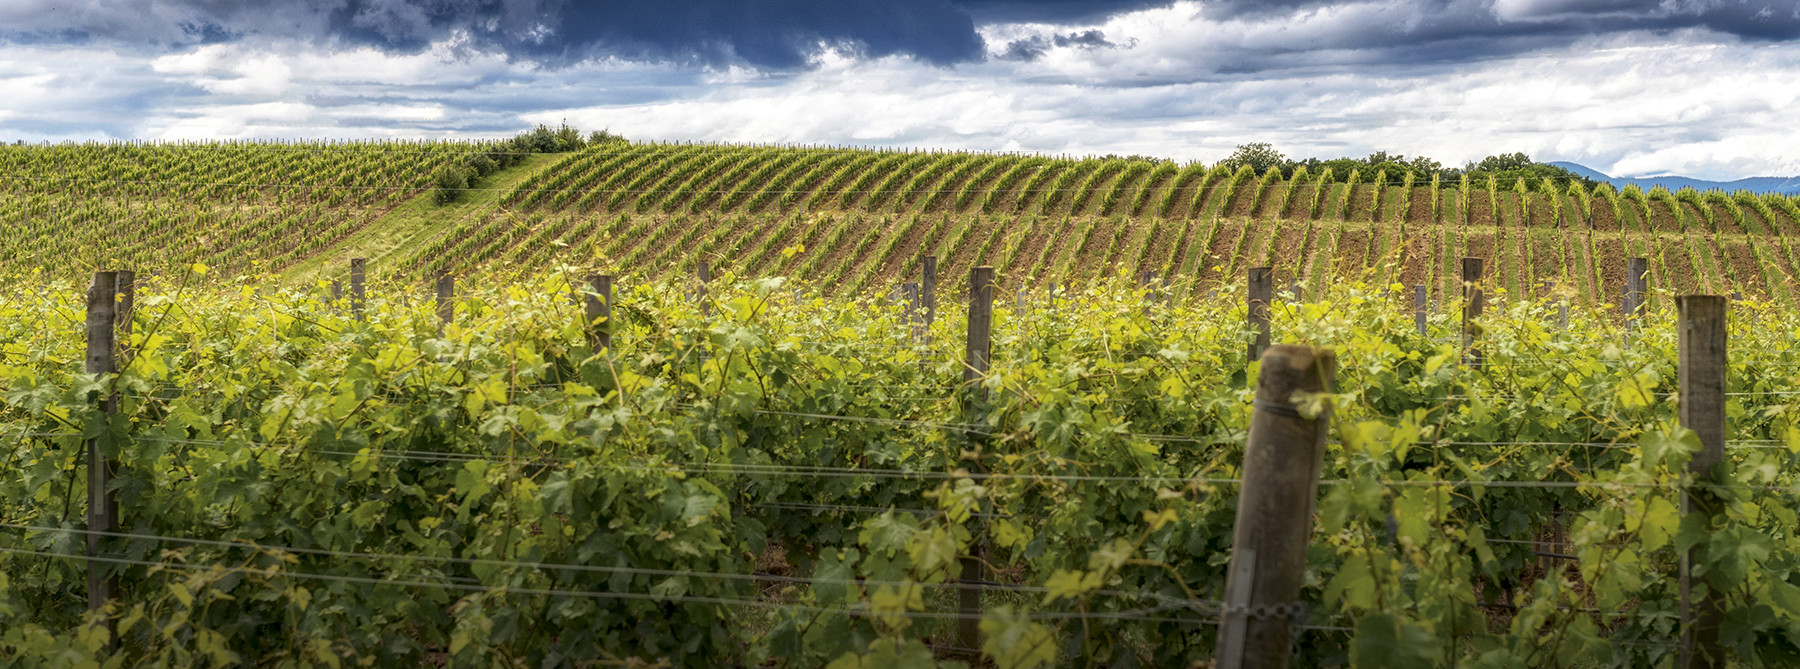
856, 221
1761, 185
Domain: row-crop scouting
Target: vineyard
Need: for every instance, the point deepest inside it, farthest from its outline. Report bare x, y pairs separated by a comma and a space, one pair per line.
752, 474
674, 405
861, 219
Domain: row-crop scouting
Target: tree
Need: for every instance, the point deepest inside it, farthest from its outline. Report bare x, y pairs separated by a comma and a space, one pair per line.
1260, 156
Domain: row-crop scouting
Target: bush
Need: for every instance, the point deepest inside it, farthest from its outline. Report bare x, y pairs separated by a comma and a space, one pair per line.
451, 182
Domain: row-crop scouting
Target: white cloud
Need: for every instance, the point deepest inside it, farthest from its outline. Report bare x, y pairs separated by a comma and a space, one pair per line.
1634, 104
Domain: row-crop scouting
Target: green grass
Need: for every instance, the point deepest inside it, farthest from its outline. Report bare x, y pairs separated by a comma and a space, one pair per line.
412, 224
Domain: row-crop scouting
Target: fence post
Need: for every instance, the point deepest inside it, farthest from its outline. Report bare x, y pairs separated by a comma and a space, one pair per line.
1635, 288
915, 318
705, 272
928, 284
103, 508
1419, 308
358, 268
1282, 458
337, 293
126, 286
1261, 287
1700, 366
975, 367
1147, 282
446, 301
598, 310
1473, 301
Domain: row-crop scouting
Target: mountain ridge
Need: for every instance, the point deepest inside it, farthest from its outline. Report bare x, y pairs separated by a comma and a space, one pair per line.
1782, 185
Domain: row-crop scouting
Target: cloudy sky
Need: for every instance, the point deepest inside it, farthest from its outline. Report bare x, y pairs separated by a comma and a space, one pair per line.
1704, 88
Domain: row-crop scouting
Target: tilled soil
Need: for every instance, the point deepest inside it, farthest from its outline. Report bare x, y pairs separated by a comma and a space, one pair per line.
1746, 268
1418, 212
1481, 209
1300, 205
1662, 218
1245, 199
1361, 196
1352, 253
1218, 253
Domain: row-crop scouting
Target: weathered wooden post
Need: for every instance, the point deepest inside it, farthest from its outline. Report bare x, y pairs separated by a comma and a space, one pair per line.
1700, 366
597, 308
126, 285
915, 316
1147, 283
975, 368
1419, 308
705, 272
1282, 459
103, 508
1473, 302
358, 269
928, 284
1261, 289
446, 301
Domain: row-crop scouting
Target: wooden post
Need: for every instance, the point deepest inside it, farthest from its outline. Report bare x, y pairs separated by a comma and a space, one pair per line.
103, 508
1282, 459
705, 271
598, 310
1419, 312
1635, 288
1562, 314
1700, 366
928, 284
358, 267
915, 317
1294, 290
1473, 301
337, 291
1147, 282
975, 368
126, 286
446, 300
1261, 288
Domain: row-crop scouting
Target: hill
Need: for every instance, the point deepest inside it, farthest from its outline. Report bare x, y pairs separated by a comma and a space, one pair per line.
1761, 185
854, 221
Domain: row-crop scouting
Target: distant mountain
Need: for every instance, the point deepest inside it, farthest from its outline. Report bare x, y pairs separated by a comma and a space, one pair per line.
1783, 185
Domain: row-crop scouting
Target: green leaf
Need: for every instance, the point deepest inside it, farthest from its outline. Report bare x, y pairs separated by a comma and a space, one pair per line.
1382, 641
1013, 641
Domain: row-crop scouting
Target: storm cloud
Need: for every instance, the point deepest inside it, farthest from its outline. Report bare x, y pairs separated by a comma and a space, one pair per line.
785, 35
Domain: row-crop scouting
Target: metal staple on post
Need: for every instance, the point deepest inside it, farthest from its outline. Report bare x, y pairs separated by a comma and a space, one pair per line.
103, 508
1700, 365
1282, 459
1261, 289
975, 367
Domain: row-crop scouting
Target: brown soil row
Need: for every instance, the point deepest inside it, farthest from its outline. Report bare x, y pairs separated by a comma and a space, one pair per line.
914, 239
1288, 248
1353, 253
1543, 215
1605, 219
1218, 253
1746, 268
1783, 223
1662, 218
1244, 201
1361, 196
1481, 208
1547, 262
1418, 211
1416, 255
1683, 276
1612, 274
